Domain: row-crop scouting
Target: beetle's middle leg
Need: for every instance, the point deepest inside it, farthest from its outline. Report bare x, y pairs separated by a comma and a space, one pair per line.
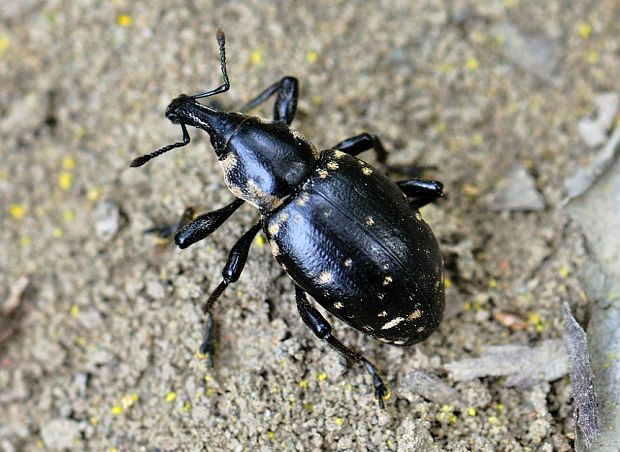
285, 106
323, 330
237, 257
363, 142
422, 191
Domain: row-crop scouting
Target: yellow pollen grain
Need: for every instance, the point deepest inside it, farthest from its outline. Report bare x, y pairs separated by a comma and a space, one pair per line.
68, 162
4, 44
17, 211
65, 180
370, 221
117, 410
312, 56
366, 171
332, 165
584, 29
124, 20
325, 277
171, 396
256, 56
387, 280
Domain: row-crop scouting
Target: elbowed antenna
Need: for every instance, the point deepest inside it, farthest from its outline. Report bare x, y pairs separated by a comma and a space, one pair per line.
221, 40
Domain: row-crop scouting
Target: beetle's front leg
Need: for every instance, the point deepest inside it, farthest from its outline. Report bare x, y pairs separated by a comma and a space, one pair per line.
323, 330
232, 271
363, 142
191, 231
423, 191
285, 106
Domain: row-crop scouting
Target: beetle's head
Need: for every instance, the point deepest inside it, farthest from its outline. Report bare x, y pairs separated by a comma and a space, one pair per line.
173, 109
184, 110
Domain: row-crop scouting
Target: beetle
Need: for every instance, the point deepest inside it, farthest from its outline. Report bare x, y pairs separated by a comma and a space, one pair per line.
344, 232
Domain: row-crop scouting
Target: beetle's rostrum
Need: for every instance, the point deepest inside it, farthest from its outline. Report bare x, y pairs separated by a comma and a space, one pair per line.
343, 231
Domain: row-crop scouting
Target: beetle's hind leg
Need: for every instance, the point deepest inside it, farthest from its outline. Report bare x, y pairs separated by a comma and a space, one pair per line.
323, 330
232, 271
421, 191
285, 106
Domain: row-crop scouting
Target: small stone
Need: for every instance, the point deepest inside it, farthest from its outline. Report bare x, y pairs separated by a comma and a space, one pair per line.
516, 191
593, 131
107, 218
60, 433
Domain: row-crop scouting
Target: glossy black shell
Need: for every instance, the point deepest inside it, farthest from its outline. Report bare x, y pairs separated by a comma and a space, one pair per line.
350, 239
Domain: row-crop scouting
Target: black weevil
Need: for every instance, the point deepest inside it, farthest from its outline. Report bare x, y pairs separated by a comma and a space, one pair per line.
344, 233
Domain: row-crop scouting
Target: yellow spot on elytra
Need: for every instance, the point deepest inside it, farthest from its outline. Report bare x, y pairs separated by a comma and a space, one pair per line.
370, 221
338, 154
338, 305
302, 199
274, 228
323, 174
382, 314
17, 211
392, 323
124, 20
420, 329
415, 315
283, 216
325, 277
332, 165
387, 280
275, 249
347, 262
366, 171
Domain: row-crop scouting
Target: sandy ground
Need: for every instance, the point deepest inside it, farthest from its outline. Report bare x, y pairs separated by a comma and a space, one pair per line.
103, 350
